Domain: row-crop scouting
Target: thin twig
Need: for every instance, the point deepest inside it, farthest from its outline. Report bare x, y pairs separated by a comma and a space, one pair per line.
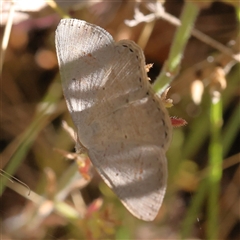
160, 13
11, 178
6, 34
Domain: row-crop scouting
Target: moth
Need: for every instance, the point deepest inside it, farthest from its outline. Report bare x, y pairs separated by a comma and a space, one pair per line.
121, 124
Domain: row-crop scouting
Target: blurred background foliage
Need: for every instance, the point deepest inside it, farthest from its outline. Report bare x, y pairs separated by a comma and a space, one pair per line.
204, 155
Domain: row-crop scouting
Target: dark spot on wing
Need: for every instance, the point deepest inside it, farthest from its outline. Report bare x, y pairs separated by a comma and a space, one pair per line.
166, 134
126, 46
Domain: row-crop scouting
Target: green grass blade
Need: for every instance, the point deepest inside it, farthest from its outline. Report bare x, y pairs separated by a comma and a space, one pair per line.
171, 66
